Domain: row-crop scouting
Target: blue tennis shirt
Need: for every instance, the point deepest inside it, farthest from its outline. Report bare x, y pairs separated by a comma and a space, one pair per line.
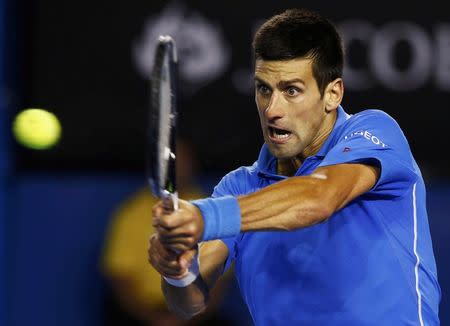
370, 263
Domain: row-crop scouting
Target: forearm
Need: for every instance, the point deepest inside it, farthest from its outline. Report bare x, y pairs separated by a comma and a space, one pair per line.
306, 200
188, 301
293, 203
193, 299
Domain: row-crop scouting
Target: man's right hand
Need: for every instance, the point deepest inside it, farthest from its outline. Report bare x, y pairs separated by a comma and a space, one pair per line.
167, 262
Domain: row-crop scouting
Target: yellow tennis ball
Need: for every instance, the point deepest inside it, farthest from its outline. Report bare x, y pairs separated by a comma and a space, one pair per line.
36, 128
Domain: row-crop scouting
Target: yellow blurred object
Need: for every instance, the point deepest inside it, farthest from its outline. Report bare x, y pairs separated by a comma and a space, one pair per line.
125, 258
36, 129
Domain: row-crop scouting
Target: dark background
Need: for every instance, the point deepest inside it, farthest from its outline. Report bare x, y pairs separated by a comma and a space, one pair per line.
79, 60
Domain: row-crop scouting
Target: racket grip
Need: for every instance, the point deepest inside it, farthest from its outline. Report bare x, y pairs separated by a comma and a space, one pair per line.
170, 201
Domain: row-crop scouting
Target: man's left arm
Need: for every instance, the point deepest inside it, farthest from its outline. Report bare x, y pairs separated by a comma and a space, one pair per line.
302, 201
294, 203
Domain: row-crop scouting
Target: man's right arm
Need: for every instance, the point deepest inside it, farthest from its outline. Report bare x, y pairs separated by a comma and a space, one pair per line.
190, 300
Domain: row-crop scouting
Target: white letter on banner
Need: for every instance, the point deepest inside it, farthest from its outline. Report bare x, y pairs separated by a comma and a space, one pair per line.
351, 31
442, 65
382, 56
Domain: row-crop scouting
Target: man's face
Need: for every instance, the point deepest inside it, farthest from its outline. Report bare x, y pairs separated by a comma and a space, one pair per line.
290, 107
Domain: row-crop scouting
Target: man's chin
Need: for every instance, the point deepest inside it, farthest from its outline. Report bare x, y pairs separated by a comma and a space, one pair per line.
281, 153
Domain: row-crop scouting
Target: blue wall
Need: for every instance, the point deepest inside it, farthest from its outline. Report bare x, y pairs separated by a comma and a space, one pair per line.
57, 234
439, 217
6, 68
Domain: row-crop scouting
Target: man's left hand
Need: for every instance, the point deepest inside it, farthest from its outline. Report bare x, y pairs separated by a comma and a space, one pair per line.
180, 230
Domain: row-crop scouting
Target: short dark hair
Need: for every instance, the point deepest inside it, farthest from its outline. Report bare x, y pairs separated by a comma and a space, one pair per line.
298, 33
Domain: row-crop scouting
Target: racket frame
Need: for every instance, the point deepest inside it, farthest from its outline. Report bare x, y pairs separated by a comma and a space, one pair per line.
162, 125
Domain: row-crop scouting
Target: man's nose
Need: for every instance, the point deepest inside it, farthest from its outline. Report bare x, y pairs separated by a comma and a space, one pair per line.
274, 109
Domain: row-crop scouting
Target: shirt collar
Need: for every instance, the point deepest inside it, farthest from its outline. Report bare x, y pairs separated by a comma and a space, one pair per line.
267, 162
342, 116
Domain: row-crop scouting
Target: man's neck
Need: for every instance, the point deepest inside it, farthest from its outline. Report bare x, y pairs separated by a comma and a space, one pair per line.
288, 167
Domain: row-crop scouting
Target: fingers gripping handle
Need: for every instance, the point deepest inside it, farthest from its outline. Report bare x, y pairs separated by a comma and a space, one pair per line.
191, 274
169, 200
170, 203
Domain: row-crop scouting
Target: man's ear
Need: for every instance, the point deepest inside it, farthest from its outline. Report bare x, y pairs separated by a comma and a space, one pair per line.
333, 94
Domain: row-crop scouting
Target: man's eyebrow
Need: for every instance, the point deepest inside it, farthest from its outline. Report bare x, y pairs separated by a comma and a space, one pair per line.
284, 83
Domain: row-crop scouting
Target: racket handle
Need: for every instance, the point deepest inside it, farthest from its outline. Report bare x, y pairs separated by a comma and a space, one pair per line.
170, 201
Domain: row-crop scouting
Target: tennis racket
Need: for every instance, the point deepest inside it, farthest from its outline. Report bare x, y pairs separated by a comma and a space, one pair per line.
162, 124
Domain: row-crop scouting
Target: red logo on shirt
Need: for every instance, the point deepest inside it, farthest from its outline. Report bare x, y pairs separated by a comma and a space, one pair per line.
346, 149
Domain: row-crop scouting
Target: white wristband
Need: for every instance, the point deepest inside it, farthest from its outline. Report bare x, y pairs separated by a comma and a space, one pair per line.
190, 276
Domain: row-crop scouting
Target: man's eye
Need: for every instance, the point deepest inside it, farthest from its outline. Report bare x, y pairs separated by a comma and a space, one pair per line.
263, 89
292, 91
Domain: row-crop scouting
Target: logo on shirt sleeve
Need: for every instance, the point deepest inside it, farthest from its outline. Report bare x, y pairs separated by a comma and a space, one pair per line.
368, 135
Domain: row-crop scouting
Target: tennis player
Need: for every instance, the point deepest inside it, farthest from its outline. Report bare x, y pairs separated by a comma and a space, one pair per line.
329, 225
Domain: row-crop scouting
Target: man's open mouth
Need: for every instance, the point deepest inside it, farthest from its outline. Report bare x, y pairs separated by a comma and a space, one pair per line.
279, 134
